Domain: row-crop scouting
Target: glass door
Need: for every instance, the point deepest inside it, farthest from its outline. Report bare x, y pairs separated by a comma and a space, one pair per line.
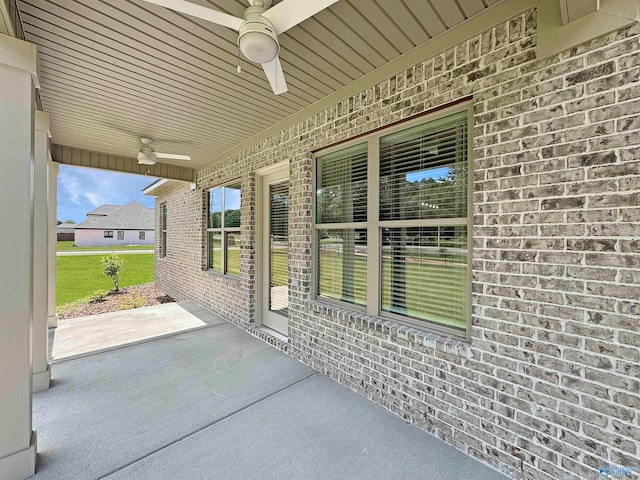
275, 251
279, 248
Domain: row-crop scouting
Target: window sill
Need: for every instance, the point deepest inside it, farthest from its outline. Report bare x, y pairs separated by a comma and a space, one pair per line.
393, 331
214, 273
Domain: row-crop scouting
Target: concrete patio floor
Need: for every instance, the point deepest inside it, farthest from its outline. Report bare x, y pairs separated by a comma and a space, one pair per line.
94, 333
217, 403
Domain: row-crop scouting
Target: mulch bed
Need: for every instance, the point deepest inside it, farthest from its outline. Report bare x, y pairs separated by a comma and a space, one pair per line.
126, 298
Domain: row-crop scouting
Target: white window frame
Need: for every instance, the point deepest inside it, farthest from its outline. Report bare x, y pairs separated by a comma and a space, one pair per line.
141, 235
163, 230
374, 224
223, 230
108, 234
120, 234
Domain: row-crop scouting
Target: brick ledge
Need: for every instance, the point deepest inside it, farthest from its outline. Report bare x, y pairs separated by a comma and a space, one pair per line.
264, 335
391, 329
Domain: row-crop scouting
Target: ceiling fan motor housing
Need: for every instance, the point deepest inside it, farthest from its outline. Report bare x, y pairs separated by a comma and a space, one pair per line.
146, 155
258, 39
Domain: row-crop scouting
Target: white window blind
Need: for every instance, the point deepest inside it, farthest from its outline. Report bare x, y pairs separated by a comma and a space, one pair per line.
403, 250
279, 247
223, 229
342, 186
342, 265
423, 171
424, 273
423, 176
163, 227
341, 205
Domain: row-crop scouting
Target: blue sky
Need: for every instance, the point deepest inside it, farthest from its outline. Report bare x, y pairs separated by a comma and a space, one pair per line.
436, 173
81, 190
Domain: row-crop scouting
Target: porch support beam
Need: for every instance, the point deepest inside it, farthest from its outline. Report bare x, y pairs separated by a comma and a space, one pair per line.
563, 24
571, 10
117, 163
41, 368
52, 209
18, 69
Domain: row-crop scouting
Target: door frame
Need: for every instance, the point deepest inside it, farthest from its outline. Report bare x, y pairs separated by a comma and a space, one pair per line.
267, 175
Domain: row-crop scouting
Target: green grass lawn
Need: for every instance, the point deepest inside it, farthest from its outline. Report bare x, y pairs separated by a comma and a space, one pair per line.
77, 277
67, 245
429, 292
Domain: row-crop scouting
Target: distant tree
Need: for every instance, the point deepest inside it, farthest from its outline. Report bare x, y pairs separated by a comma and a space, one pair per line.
59, 222
69, 221
232, 218
215, 219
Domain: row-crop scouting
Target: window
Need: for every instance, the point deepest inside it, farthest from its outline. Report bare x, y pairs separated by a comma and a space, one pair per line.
141, 235
223, 229
163, 230
120, 235
341, 209
392, 224
108, 234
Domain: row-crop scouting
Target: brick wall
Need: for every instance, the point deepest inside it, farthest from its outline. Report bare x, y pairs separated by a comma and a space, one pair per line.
548, 387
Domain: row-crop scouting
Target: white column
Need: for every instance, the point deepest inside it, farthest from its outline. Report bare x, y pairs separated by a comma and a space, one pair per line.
53, 238
17, 440
41, 368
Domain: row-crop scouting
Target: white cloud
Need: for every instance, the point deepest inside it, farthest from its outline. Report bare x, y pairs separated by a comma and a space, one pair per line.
81, 190
70, 186
95, 199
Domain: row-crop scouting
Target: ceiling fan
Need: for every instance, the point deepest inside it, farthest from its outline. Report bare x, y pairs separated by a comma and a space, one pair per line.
148, 156
258, 28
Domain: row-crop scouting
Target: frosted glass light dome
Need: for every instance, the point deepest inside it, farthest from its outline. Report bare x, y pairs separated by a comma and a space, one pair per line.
258, 42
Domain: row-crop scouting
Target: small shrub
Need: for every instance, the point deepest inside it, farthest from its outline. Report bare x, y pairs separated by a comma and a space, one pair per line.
111, 265
68, 307
137, 302
98, 296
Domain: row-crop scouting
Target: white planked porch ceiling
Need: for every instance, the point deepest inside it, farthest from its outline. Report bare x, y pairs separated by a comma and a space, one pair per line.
113, 71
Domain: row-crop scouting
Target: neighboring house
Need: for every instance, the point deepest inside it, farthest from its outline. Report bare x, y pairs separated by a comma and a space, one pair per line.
107, 225
66, 231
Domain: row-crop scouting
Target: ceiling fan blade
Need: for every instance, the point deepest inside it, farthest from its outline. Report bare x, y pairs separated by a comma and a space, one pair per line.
199, 11
275, 75
290, 13
172, 156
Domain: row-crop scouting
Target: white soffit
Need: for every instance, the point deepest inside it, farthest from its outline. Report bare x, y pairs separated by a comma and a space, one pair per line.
163, 186
118, 70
